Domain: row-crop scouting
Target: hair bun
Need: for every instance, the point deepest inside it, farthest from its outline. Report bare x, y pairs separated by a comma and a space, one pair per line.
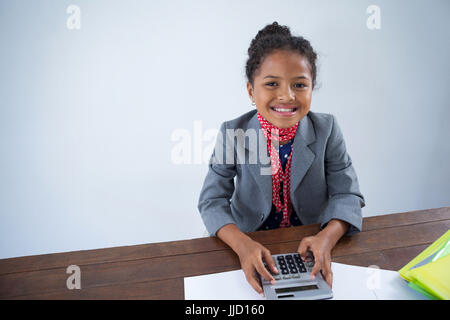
274, 29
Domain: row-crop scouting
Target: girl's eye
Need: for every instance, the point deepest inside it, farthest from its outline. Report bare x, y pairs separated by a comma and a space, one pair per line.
296, 85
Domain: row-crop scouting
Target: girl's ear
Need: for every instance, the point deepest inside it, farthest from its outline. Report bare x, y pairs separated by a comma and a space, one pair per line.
250, 91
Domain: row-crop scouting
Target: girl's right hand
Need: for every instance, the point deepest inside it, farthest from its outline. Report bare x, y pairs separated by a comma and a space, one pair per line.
251, 255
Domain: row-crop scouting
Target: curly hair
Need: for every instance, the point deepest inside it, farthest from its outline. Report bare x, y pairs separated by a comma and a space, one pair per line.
273, 37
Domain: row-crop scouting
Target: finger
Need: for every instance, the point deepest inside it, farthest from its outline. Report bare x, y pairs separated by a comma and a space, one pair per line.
327, 272
329, 279
269, 261
303, 247
309, 256
261, 269
317, 266
253, 281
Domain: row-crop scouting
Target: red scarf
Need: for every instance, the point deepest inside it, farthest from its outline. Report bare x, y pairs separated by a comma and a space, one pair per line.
281, 135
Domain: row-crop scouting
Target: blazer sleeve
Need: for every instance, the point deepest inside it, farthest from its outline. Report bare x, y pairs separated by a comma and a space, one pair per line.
218, 187
344, 197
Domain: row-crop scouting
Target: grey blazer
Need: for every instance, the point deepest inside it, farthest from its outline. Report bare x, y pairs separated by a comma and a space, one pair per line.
324, 185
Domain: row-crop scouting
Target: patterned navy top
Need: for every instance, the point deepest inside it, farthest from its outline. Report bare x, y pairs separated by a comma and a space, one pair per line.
274, 219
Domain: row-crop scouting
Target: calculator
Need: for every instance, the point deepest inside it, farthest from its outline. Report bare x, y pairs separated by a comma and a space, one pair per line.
293, 280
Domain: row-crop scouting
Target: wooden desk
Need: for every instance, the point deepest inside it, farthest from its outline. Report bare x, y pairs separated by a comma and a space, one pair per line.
156, 271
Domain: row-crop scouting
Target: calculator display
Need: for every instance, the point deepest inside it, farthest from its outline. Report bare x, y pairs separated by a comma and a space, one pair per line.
296, 289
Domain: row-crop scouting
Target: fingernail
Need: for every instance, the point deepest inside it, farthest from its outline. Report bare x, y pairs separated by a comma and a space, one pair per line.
262, 295
313, 277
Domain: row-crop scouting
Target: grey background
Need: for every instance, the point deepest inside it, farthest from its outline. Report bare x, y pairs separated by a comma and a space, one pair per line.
87, 116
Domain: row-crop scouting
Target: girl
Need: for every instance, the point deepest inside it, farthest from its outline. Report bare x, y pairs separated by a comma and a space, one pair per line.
311, 177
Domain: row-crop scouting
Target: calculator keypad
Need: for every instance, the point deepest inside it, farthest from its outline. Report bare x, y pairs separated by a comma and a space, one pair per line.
290, 266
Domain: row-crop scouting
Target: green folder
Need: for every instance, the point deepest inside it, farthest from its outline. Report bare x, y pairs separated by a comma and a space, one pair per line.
428, 273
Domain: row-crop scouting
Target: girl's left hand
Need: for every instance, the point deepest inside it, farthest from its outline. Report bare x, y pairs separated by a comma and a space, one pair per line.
320, 247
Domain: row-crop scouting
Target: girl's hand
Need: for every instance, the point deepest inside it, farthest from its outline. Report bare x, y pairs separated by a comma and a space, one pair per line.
320, 247
251, 255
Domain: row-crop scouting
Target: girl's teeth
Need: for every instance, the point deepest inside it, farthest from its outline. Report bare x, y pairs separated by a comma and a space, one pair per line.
283, 110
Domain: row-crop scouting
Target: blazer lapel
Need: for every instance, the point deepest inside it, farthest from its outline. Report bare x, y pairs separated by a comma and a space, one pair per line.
262, 170
302, 156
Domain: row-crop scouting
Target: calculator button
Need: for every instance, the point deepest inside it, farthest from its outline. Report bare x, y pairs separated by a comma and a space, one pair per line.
284, 271
293, 270
296, 275
288, 276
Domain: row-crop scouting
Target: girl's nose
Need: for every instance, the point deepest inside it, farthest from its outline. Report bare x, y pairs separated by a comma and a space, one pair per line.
286, 94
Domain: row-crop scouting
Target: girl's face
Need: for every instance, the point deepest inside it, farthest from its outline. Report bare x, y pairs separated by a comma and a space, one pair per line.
282, 88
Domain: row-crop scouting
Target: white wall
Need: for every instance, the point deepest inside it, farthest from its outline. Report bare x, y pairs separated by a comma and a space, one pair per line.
87, 116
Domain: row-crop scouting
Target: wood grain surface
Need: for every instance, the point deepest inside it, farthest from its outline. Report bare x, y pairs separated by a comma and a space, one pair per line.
156, 271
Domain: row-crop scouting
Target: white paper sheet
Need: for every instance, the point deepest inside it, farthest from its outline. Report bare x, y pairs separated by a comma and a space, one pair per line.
349, 283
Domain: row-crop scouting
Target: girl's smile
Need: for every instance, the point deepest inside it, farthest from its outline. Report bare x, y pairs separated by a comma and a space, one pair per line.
284, 111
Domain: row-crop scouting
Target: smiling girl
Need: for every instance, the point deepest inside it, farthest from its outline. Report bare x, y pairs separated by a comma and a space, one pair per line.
312, 180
